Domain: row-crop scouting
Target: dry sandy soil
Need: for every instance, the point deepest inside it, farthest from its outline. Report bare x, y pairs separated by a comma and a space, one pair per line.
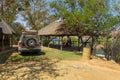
46, 69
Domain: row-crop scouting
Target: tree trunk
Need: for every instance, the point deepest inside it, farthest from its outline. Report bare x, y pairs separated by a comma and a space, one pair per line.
92, 43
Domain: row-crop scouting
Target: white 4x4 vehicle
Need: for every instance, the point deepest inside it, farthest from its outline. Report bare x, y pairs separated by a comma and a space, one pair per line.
29, 42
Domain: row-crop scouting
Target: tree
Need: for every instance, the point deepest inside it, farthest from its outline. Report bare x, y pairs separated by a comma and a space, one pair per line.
86, 17
8, 10
18, 28
116, 7
35, 12
111, 48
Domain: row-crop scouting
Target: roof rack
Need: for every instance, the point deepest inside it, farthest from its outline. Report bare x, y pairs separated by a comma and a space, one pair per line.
30, 32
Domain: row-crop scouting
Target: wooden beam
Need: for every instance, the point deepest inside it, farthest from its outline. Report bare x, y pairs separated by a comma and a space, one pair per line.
11, 42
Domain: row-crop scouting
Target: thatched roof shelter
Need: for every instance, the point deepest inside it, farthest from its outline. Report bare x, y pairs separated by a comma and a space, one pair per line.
5, 28
56, 28
5, 36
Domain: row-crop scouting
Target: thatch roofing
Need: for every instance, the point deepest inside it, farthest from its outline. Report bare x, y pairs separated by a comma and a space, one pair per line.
56, 28
6, 29
115, 33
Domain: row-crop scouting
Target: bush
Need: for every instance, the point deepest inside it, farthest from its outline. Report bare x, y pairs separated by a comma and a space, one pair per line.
112, 49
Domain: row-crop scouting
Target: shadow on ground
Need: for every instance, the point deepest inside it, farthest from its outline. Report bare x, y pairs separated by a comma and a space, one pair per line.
34, 69
4, 55
33, 54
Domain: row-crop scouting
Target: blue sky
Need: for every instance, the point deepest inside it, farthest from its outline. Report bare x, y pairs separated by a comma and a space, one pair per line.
21, 20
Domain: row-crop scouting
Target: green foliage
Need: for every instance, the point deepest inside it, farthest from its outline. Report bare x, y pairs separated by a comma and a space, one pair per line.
35, 12
85, 16
18, 28
116, 7
16, 57
112, 48
8, 10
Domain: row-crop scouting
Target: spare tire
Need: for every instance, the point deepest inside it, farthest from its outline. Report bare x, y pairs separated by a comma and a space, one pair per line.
31, 42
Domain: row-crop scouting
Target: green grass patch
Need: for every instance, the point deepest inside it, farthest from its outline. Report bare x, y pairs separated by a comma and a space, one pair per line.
48, 53
58, 54
17, 57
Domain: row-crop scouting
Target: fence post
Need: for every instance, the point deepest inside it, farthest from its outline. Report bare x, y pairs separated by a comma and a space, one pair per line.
86, 53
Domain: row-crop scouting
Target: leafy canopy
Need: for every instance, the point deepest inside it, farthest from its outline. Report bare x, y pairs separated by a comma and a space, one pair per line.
35, 12
85, 16
8, 10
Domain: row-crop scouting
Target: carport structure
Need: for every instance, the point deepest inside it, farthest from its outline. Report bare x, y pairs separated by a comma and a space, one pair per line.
57, 29
6, 33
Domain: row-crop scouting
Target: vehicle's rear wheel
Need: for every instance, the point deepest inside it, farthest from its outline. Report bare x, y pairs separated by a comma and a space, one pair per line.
31, 42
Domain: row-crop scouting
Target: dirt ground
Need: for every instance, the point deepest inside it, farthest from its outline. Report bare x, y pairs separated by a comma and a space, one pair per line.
46, 69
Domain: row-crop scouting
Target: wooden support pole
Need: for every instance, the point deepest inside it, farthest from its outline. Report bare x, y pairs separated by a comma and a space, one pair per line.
3, 42
92, 45
11, 43
61, 43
